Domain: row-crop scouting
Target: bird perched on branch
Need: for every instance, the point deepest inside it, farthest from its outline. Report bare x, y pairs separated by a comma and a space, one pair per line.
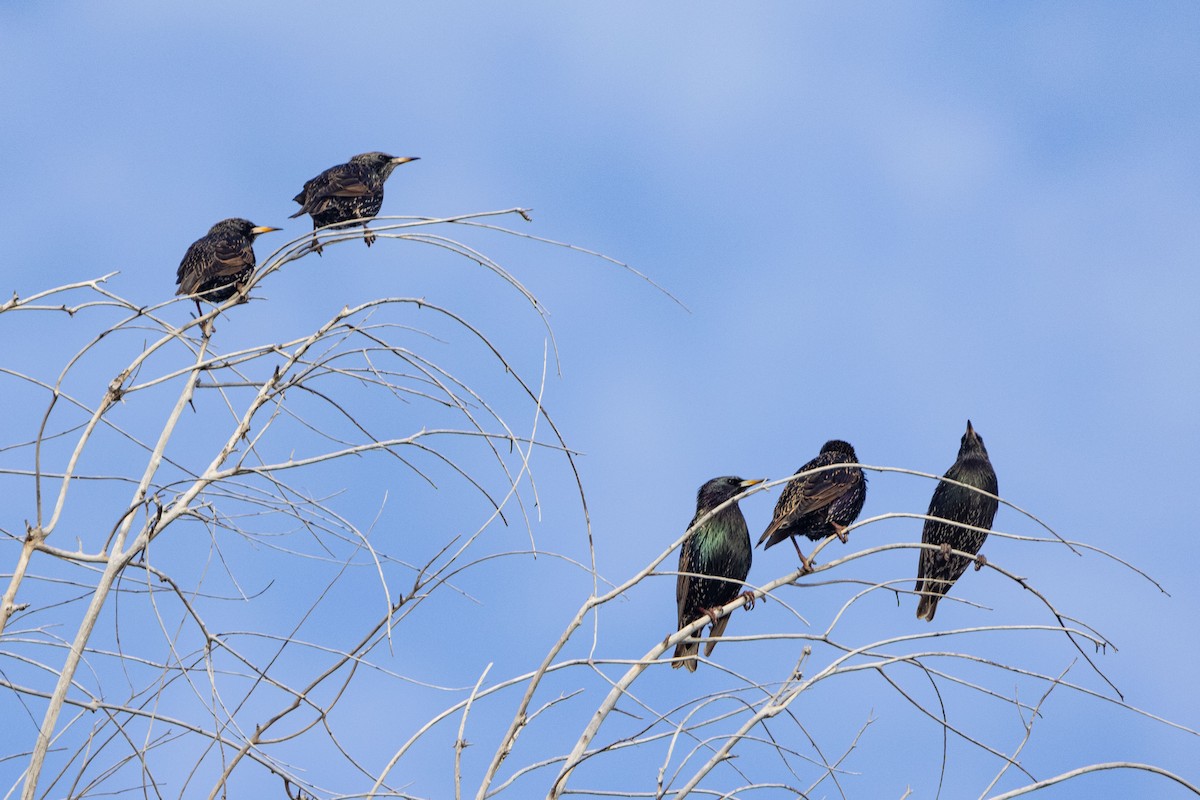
348, 192
718, 552
219, 263
937, 570
821, 504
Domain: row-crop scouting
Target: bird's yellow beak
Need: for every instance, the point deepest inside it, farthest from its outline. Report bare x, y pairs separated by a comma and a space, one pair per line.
751, 482
263, 229
405, 159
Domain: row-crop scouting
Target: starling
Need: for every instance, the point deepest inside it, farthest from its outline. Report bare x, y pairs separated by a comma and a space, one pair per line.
819, 504
219, 263
347, 192
937, 570
720, 549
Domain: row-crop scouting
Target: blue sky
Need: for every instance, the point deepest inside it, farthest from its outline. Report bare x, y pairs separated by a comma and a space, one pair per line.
883, 219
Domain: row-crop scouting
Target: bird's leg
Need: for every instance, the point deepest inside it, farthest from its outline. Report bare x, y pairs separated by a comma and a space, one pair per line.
368, 237
206, 328
805, 564
315, 247
712, 614
944, 553
980, 562
748, 600
840, 530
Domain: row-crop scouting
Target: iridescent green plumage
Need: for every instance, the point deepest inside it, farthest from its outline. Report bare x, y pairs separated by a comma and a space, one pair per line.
718, 552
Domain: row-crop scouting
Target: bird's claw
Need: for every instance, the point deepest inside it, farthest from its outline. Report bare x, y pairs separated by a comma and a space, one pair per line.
944, 552
980, 562
369, 238
748, 600
840, 532
712, 614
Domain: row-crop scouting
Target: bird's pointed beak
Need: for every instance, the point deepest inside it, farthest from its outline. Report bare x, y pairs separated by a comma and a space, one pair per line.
405, 159
751, 482
263, 229
971, 431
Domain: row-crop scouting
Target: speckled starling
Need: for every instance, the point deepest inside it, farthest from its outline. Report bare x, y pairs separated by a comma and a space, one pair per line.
348, 192
937, 570
718, 548
821, 504
220, 262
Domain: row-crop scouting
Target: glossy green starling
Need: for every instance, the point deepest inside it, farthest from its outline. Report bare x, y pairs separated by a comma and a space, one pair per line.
937, 570
349, 193
718, 549
219, 263
821, 504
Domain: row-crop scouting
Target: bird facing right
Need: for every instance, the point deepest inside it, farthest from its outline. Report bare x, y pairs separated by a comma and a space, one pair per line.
937, 570
348, 192
717, 553
219, 263
821, 504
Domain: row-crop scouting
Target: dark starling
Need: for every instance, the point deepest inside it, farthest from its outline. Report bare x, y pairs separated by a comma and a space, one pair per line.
220, 262
720, 548
348, 192
821, 504
937, 570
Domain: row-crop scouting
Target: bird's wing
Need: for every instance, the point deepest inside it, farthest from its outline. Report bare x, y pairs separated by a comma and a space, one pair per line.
932, 533
821, 489
807, 495
344, 180
683, 583
218, 257
232, 256
185, 276
934, 573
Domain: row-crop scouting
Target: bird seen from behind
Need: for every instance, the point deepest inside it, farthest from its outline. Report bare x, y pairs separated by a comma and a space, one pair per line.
937, 570
713, 564
349, 193
821, 504
218, 264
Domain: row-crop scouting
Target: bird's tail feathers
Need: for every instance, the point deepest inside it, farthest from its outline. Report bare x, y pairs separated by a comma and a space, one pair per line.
766, 539
685, 656
927, 606
714, 633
